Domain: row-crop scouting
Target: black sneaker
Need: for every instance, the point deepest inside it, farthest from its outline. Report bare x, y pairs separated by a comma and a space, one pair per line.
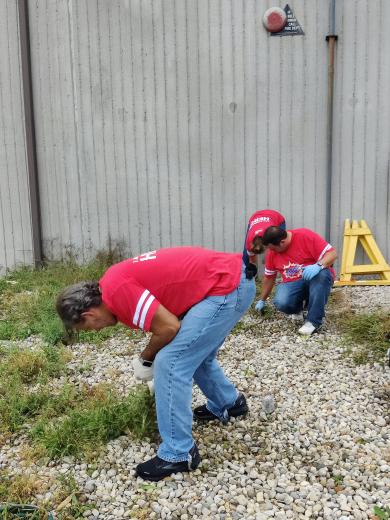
202, 413
156, 469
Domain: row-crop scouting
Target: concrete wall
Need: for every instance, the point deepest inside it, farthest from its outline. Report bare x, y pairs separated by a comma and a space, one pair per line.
169, 122
15, 227
361, 161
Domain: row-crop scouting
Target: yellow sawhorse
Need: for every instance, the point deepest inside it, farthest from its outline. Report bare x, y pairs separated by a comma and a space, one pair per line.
360, 232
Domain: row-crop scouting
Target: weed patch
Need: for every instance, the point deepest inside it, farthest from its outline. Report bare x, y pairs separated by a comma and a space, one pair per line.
16, 490
20, 489
381, 513
19, 369
19, 404
71, 504
338, 479
32, 366
97, 418
368, 336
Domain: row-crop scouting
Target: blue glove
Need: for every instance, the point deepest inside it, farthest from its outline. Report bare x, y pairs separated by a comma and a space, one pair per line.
310, 271
260, 305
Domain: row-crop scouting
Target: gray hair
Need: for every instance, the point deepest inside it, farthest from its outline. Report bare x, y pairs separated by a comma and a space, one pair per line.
75, 300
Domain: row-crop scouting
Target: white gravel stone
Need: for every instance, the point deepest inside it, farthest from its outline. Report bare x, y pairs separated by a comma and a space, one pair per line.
323, 453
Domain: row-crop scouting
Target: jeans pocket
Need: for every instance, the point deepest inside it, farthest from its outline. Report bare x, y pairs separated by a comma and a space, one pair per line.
216, 300
207, 308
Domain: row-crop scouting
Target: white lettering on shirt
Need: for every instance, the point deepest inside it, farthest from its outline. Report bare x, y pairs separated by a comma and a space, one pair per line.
145, 256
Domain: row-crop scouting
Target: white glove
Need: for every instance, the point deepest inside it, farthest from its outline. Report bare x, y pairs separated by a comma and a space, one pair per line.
151, 386
140, 371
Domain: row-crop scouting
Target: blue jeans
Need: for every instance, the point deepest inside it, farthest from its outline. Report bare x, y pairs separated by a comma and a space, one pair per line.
192, 355
290, 296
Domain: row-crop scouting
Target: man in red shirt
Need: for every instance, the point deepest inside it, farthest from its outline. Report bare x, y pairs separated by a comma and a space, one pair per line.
189, 299
304, 259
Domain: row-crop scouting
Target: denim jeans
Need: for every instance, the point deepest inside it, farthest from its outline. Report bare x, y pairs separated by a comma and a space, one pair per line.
290, 296
191, 355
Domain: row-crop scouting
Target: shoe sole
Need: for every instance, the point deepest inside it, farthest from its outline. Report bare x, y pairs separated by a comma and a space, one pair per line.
315, 331
157, 479
215, 418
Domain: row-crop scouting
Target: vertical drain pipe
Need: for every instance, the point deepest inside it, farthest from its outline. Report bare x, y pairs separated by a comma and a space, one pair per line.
331, 39
31, 151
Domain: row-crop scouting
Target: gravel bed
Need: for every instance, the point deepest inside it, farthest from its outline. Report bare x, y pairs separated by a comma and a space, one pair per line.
366, 299
323, 453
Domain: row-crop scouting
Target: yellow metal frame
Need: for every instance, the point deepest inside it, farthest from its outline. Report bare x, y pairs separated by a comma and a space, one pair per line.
353, 233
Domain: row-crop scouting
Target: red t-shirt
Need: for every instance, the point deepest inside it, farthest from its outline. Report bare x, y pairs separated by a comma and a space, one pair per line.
178, 278
259, 222
306, 248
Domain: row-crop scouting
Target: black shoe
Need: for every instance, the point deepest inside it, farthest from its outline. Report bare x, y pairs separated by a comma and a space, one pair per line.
202, 413
156, 469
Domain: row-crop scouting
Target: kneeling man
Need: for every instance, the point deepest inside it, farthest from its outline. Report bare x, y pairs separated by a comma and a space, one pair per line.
304, 259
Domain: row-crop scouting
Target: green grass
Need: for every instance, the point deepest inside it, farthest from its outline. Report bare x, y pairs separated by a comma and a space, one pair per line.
19, 404
22, 489
382, 513
338, 479
23, 384
95, 419
72, 419
18, 489
368, 336
32, 366
70, 492
27, 300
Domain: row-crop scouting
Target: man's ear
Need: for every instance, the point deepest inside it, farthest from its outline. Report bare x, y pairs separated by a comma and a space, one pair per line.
258, 247
90, 313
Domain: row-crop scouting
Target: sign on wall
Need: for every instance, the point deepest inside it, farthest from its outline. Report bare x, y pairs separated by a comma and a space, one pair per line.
292, 27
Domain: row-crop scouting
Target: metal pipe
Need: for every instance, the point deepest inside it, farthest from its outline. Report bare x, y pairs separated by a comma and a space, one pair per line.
31, 150
333, 17
331, 39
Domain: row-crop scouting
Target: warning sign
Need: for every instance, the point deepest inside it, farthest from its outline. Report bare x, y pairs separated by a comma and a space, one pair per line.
292, 27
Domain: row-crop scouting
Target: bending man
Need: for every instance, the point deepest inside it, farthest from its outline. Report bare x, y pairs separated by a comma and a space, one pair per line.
151, 292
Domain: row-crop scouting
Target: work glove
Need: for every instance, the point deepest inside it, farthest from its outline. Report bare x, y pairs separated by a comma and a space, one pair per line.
151, 386
310, 271
142, 372
260, 306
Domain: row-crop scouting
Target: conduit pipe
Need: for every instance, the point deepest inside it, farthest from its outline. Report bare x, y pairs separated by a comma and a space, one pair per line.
331, 39
31, 150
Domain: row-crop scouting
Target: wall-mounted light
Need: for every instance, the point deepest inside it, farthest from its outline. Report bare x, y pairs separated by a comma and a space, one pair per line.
274, 19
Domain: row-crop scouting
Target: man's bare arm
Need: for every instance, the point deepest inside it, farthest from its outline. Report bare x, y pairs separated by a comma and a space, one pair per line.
266, 286
164, 328
328, 259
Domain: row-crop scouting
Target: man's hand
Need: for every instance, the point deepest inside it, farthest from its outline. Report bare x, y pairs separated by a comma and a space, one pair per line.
310, 271
142, 372
260, 306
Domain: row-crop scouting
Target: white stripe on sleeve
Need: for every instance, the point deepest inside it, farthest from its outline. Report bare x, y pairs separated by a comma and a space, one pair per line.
148, 303
268, 272
143, 297
326, 248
